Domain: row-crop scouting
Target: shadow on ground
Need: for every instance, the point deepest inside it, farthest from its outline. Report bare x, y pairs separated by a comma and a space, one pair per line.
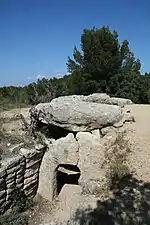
130, 205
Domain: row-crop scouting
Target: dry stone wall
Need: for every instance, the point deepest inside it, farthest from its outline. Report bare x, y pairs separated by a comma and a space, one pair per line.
19, 173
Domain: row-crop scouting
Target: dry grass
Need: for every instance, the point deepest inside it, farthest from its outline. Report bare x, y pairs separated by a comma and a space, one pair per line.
116, 159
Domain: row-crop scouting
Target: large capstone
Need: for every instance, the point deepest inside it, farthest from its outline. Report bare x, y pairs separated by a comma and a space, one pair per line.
76, 115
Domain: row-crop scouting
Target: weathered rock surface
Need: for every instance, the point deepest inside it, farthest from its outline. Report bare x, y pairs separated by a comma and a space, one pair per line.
97, 98
91, 158
121, 101
86, 151
70, 98
77, 115
66, 150
106, 99
47, 175
62, 151
108, 130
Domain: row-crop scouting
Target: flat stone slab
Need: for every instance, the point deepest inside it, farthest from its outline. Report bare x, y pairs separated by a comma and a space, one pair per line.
76, 115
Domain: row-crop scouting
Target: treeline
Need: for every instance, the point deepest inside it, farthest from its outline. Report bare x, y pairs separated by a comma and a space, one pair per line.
102, 65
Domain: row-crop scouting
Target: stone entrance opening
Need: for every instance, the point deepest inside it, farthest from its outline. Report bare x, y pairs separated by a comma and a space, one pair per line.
66, 174
52, 131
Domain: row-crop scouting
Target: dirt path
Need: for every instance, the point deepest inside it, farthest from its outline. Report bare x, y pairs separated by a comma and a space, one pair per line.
141, 135
69, 200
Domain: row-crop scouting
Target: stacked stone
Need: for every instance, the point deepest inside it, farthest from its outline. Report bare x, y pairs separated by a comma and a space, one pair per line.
19, 173
31, 176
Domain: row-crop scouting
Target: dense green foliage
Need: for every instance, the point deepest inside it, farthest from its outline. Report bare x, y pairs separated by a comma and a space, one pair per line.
102, 65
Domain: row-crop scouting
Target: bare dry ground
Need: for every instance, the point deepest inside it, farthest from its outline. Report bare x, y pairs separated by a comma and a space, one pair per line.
70, 197
141, 138
10, 122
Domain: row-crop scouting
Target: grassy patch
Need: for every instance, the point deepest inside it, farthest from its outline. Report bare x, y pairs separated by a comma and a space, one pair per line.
116, 158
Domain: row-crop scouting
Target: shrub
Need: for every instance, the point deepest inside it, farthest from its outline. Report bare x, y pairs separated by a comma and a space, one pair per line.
18, 212
14, 219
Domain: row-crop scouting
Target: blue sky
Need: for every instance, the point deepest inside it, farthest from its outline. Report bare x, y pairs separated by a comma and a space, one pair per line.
37, 36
